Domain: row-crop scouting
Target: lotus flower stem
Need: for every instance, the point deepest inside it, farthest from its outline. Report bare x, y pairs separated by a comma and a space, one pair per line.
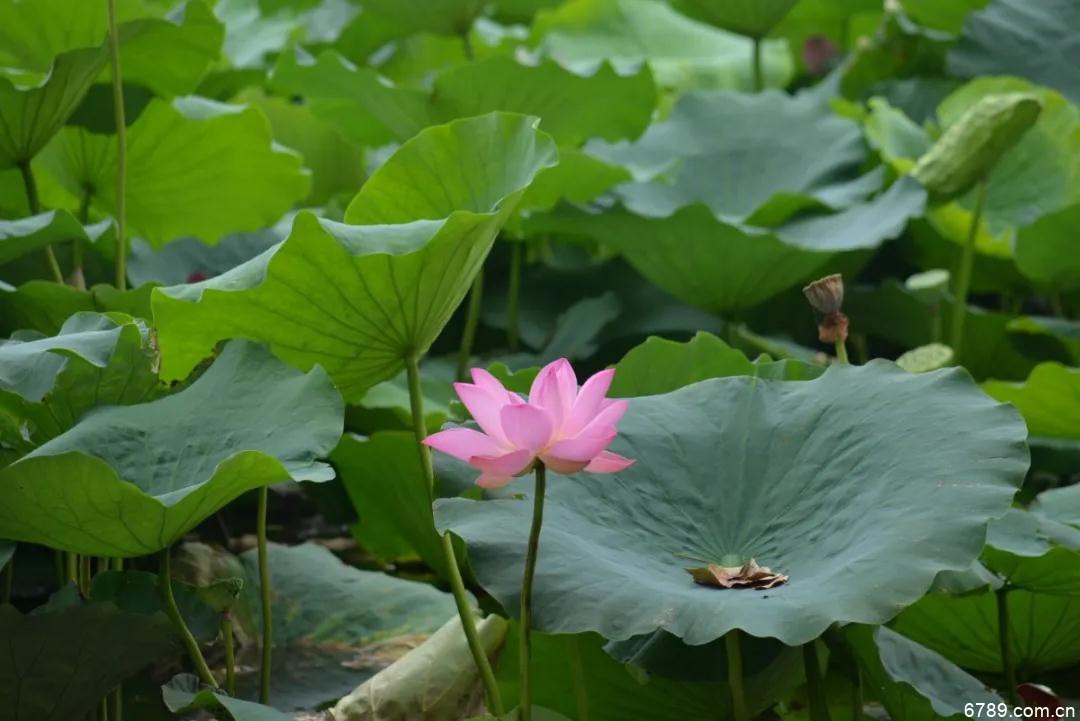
581, 692
815, 690
72, 562
525, 705
857, 696
118, 703
230, 655
9, 581
457, 584
512, 295
192, 646
121, 148
759, 78
733, 645
264, 587
1007, 667
963, 273
35, 207
472, 320
841, 351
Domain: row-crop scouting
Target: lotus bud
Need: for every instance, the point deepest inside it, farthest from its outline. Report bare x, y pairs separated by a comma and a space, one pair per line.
826, 296
971, 146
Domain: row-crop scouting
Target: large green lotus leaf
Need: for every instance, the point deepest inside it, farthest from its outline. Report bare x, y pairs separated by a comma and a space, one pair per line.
1047, 399
754, 18
571, 107
1047, 250
58, 661
1034, 552
568, 665
659, 366
190, 153
913, 682
334, 625
32, 114
155, 470
946, 15
171, 55
724, 267
1038, 41
784, 475
436, 681
1044, 630
735, 151
184, 694
1059, 504
431, 213
683, 54
578, 178
447, 17
26, 235
44, 306
48, 383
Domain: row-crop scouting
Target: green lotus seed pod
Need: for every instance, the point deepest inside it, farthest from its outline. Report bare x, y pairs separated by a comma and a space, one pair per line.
971, 146
925, 358
929, 286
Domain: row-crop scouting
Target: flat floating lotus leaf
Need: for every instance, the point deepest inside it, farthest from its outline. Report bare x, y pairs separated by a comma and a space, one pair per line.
156, 470
47, 383
188, 153
1035, 40
1034, 552
1047, 399
734, 152
683, 54
754, 18
184, 695
357, 298
849, 484
572, 107
57, 662
912, 681
1044, 630
1046, 250
723, 267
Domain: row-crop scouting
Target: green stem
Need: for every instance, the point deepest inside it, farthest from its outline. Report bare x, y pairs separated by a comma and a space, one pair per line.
759, 77
935, 324
9, 581
1056, 306
512, 295
78, 278
103, 708
1007, 667
472, 320
963, 274
73, 567
118, 703
264, 587
121, 148
815, 690
84, 575
457, 584
230, 653
35, 207
841, 352
526, 593
192, 646
857, 696
732, 643
581, 692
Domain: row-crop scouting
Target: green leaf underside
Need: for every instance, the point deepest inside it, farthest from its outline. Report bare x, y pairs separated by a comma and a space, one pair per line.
357, 298
130, 480
1034, 552
783, 475
184, 695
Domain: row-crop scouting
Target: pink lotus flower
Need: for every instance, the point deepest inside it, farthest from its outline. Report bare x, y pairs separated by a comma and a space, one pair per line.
567, 428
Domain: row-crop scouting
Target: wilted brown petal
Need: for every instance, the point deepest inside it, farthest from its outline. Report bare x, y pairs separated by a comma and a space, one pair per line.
826, 295
748, 575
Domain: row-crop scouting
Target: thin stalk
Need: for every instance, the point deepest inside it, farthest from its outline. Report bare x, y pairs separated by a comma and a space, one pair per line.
732, 643
526, 593
73, 567
230, 653
512, 295
841, 351
84, 575
472, 320
60, 561
1056, 306
1007, 667
103, 708
78, 278
9, 581
815, 690
963, 273
264, 587
35, 207
759, 77
192, 646
581, 692
117, 564
121, 148
457, 584
118, 703
857, 696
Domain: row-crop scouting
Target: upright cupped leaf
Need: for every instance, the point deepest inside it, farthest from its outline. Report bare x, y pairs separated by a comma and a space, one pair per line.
855, 485
357, 299
195, 167
130, 480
